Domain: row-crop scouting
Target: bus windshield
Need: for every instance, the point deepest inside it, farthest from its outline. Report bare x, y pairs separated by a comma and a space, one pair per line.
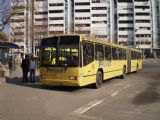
60, 51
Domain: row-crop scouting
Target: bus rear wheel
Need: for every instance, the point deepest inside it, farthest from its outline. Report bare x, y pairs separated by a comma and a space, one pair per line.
99, 79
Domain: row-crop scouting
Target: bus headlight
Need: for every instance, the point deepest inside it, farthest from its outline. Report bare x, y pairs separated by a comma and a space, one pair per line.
72, 77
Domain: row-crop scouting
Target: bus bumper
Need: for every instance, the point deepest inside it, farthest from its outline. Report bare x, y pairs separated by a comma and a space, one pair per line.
60, 82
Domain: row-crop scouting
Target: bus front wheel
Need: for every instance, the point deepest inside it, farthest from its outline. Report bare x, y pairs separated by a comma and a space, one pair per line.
99, 79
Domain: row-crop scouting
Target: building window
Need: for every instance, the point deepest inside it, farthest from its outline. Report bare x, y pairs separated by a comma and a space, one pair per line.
82, 3
83, 10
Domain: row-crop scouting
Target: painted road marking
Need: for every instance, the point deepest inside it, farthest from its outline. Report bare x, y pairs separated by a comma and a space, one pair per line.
95, 103
87, 107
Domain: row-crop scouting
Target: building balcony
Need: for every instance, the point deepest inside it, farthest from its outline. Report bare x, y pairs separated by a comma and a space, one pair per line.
139, 3
122, 40
142, 17
99, 26
144, 46
56, 29
99, 12
80, 1
143, 24
100, 32
99, 5
56, 14
82, 28
125, 18
56, 8
40, 16
143, 39
120, 11
40, 23
129, 33
122, 4
87, 14
56, 21
99, 19
142, 10
78, 7
143, 32
123, 25
82, 21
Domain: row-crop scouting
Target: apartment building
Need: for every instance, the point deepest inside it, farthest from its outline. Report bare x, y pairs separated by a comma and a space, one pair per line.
157, 20
136, 24
100, 18
39, 21
48, 17
156, 24
59, 16
127, 22
19, 23
143, 25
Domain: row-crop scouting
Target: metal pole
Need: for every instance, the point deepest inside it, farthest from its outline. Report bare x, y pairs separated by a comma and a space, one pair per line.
32, 23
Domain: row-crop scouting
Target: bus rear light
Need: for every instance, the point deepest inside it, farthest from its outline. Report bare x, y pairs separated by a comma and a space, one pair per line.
72, 77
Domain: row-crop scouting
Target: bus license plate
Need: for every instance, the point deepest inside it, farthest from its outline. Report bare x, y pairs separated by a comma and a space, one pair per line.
57, 70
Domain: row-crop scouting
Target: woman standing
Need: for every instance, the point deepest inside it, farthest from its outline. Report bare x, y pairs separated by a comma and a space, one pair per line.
32, 69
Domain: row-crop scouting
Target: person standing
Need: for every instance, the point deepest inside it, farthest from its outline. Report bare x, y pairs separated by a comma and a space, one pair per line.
32, 69
25, 68
10, 63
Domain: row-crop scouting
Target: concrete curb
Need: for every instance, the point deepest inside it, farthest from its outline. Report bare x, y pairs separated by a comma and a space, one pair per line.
152, 60
2, 80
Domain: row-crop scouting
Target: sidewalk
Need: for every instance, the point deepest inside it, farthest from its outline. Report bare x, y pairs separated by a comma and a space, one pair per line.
17, 74
152, 60
2, 80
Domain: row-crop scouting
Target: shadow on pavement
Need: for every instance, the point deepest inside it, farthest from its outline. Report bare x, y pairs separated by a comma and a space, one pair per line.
38, 85
149, 95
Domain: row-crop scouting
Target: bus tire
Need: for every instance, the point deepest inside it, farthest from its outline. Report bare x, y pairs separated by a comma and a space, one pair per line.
99, 79
124, 73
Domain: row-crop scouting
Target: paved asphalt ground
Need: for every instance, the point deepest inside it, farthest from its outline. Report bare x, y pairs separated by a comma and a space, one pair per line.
135, 98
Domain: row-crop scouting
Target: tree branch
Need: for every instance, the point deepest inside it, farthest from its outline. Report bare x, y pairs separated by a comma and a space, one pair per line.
8, 13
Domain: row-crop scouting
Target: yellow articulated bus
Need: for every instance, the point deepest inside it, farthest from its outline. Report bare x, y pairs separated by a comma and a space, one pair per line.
78, 60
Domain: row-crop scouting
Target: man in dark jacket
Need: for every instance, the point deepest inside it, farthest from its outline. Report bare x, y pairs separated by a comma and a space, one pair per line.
25, 69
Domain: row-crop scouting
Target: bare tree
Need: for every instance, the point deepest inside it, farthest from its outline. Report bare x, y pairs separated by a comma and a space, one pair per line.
7, 12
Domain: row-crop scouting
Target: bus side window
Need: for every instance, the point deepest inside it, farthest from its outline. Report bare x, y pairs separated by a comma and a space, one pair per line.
99, 52
88, 53
133, 55
122, 54
115, 53
107, 53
